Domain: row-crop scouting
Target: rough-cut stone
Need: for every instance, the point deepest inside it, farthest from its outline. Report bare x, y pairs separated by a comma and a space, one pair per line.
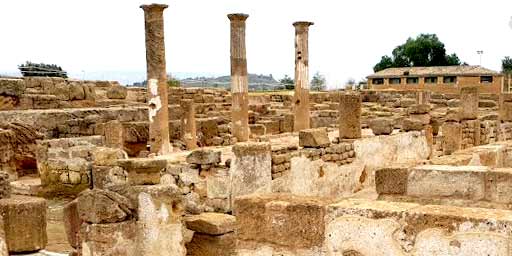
72, 223
103, 206
204, 156
117, 92
314, 138
251, 169
24, 223
211, 223
452, 137
411, 124
469, 102
419, 109
143, 171
12, 87
382, 126
350, 116
103, 156
109, 239
391, 180
207, 245
301, 220
5, 187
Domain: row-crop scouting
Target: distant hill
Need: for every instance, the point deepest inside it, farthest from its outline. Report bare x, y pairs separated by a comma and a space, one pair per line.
256, 82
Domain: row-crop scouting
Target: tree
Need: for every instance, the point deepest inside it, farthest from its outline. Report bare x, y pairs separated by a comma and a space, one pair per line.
287, 82
318, 82
41, 69
423, 51
506, 65
350, 84
173, 82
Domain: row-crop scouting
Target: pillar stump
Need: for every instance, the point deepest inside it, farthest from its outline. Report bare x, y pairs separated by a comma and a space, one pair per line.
350, 116
157, 79
188, 124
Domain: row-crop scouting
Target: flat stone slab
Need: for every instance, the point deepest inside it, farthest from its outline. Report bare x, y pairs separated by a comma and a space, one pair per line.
211, 223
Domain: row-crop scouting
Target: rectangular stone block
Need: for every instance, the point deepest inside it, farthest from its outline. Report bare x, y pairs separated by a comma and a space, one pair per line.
350, 116
469, 103
392, 180
441, 181
452, 137
300, 220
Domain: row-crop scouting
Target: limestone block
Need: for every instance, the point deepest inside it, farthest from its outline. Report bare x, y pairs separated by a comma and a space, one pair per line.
107, 176
117, 92
382, 126
418, 109
391, 180
469, 103
5, 187
452, 137
76, 91
12, 87
301, 220
314, 138
143, 171
207, 245
458, 182
250, 169
350, 116
103, 206
24, 223
211, 223
411, 124
103, 156
204, 156
72, 223
257, 129
109, 239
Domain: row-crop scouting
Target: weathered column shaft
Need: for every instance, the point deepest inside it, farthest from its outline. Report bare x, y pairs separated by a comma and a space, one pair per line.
239, 80
188, 124
301, 96
157, 79
350, 116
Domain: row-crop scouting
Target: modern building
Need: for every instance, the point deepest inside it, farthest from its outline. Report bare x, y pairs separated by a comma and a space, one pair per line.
443, 79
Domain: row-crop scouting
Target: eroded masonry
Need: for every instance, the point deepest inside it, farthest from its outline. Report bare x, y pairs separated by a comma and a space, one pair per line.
96, 168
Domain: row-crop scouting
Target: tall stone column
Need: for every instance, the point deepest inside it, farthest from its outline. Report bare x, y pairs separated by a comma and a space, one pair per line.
157, 79
188, 124
301, 96
239, 80
350, 116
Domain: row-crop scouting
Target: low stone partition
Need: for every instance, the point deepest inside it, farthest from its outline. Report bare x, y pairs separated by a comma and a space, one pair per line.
65, 165
53, 92
318, 226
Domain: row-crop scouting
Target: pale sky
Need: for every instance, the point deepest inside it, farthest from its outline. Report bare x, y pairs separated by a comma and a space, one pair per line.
347, 40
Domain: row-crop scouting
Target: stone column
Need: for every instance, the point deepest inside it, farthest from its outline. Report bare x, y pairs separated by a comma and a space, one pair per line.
301, 96
188, 124
468, 103
251, 169
350, 116
157, 79
239, 80
423, 97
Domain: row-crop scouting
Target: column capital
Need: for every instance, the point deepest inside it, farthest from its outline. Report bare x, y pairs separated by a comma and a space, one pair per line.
303, 23
238, 16
153, 7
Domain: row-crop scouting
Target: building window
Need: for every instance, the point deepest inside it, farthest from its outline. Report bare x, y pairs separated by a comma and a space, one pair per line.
431, 80
486, 79
412, 80
449, 79
395, 80
378, 81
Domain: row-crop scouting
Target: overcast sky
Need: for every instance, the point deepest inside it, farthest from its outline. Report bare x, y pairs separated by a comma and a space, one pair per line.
348, 38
